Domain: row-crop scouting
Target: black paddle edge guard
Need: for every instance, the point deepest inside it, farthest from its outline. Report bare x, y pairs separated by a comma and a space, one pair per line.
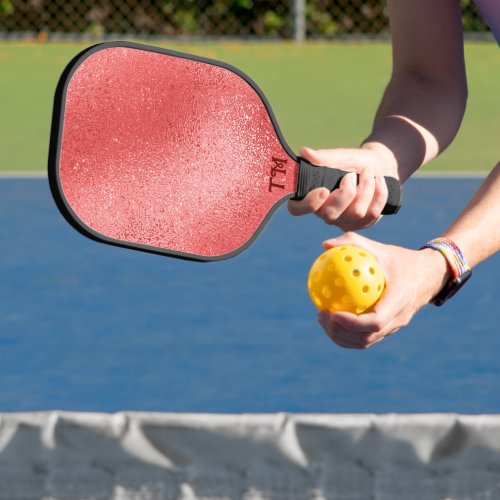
312, 177
55, 146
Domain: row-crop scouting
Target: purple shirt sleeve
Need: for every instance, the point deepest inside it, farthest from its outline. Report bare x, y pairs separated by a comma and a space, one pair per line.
490, 9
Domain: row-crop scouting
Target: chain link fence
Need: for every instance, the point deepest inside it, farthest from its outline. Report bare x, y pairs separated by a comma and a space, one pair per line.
286, 19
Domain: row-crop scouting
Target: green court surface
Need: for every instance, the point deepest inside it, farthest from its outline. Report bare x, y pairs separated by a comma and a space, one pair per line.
323, 95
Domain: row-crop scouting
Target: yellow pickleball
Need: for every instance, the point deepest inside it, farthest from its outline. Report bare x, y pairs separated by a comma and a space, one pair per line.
346, 278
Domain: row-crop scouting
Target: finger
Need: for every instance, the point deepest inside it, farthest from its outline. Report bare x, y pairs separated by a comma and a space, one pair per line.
342, 340
366, 208
394, 310
324, 318
353, 341
311, 203
362, 324
380, 196
348, 338
365, 191
340, 335
384, 319
344, 344
362, 340
338, 201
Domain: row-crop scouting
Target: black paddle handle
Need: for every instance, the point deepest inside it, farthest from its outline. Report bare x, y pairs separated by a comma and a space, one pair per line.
312, 177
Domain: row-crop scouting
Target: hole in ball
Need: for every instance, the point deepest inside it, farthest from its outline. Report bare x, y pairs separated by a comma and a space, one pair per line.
346, 299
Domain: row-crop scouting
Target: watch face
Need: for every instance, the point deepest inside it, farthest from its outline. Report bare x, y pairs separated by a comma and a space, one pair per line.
451, 288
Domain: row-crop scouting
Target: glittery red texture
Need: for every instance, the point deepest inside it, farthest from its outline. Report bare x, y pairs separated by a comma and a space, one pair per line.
168, 152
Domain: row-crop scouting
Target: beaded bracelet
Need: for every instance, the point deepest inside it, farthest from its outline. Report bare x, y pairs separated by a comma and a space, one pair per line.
452, 254
460, 269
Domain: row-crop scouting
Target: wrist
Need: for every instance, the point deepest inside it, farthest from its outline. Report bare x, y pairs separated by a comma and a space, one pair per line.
386, 157
437, 273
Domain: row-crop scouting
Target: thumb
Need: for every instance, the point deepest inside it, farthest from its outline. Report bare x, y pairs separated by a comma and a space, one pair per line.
348, 158
311, 155
349, 238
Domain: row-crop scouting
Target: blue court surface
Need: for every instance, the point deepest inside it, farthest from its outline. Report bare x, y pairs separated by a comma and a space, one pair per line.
90, 327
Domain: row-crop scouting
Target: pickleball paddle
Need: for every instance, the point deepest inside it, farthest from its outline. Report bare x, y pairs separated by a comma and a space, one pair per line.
172, 153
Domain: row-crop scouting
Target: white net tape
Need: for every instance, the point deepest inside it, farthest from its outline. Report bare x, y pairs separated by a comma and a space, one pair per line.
160, 456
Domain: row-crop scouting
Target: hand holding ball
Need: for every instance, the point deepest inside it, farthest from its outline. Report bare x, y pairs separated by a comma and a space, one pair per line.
346, 278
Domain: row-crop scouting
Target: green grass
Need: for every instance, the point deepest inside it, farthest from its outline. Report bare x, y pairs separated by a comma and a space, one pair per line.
323, 95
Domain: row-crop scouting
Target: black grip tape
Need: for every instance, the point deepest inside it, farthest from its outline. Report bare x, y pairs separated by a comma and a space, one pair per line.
312, 177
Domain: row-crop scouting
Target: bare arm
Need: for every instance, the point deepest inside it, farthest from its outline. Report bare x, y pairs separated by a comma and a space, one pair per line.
424, 102
477, 230
419, 115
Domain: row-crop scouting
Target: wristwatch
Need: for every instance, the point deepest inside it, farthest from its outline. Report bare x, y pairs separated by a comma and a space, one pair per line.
460, 270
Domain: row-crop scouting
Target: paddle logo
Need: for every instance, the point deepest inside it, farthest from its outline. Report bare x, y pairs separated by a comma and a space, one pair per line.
278, 169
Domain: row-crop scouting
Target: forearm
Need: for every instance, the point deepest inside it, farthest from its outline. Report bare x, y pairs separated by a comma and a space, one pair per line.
424, 103
416, 120
477, 230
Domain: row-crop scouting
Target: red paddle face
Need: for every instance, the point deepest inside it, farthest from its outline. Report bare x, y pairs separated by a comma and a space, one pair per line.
165, 153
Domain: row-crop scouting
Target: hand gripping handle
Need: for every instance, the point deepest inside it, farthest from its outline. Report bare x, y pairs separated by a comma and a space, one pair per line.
312, 177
